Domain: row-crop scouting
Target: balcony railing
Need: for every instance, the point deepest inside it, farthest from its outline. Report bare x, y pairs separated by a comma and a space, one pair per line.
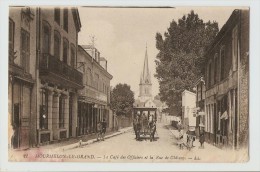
49, 63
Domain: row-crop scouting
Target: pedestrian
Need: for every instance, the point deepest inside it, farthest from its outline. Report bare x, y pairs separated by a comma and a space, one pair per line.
99, 130
104, 127
180, 138
202, 137
152, 131
135, 124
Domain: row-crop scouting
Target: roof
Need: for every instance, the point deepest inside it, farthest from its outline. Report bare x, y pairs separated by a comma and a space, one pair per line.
226, 27
146, 108
80, 48
158, 103
76, 18
186, 91
102, 59
87, 46
139, 103
201, 79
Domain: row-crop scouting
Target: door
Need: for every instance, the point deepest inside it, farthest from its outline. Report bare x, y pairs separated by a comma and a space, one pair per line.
21, 114
70, 116
25, 117
16, 126
236, 121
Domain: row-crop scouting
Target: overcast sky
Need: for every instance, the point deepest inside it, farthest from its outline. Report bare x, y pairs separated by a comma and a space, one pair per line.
122, 33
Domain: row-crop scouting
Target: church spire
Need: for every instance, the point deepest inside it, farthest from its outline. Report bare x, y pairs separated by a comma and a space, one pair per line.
145, 76
145, 86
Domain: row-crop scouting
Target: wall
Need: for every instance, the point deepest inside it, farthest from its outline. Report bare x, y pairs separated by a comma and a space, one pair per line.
244, 81
28, 92
47, 14
188, 103
89, 70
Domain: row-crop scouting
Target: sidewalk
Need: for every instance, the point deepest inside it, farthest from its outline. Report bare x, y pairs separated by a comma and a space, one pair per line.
85, 140
196, 143
211, 153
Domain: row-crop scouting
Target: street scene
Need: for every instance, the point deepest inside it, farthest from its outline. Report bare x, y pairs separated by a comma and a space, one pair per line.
111, 84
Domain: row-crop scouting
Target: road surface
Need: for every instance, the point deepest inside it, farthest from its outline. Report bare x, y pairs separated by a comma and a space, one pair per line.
124, 148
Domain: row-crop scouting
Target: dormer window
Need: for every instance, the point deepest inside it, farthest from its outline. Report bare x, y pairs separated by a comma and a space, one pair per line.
65, 19
57, 15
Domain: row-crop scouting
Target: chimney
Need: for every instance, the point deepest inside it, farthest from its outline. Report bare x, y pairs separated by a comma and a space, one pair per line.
103, 62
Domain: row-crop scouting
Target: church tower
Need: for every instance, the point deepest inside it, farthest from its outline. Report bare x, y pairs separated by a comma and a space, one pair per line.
145, 86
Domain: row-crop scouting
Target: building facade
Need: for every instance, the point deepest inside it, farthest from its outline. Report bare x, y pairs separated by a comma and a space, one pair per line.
43, 80
226, 77
94, 98
59, 78
200, 104
188, 106
22, 77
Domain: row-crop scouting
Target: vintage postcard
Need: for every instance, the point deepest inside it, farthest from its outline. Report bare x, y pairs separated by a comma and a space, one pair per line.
128, 84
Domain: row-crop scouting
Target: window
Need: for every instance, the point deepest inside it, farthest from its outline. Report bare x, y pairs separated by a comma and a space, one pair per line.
56, 44
72, 56
215, 68
11, 40
25, 50
46, 38
61, 111
89, 77
44, 110
65, 19
96, 81
209, 75
234, 48
199, 92
222, 63
65, 51
57, 15
203, 91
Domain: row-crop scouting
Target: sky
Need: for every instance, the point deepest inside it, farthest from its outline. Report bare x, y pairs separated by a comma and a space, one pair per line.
121, 35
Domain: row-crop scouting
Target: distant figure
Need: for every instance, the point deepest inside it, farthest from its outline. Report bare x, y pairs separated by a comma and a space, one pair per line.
138, 127
144, 123
99, 131
180, 138
104, 128
135, 124
152, 131
202, 138
150, 121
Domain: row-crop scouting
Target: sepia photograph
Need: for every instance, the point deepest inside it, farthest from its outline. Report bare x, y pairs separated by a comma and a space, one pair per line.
128, 84
107, 84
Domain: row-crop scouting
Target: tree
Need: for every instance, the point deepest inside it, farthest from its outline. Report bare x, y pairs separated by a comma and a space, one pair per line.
181, 57
122, 99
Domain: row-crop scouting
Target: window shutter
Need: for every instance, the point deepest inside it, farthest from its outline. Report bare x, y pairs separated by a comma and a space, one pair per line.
234, 48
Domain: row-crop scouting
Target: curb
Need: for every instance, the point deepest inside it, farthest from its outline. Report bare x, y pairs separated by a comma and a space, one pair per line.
82, 144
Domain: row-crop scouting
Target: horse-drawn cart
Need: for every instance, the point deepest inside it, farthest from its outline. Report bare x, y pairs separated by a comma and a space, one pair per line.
144, 122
